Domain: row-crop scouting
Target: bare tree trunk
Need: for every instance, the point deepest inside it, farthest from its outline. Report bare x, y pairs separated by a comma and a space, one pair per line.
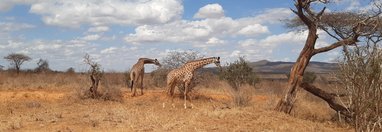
286, 103
295, 78
94, 86
328, 98
17, 69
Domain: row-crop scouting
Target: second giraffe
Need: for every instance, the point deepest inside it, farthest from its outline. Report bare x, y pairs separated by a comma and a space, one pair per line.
183, 75
137, 73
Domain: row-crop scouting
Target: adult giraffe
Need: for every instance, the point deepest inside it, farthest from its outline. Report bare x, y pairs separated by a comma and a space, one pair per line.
137, 73
184, 74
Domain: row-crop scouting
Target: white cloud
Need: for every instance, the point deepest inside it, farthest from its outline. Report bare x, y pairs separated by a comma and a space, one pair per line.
198, 31
10, 26
109, 50
63, 54
214, 40
6, 5
210, 43
264, 48
289, 38
98, 29
73, 13
254, 29
271, 16
210, 11
235, 53
91, 37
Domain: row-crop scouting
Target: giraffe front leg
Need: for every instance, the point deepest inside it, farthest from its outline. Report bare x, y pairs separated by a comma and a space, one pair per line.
135, 86
186, 88
141, 84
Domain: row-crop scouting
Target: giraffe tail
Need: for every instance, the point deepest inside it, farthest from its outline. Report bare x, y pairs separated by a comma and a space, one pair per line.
131, 85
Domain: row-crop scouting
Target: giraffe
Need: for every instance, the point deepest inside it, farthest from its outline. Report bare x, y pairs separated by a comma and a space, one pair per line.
184, 74
137, 72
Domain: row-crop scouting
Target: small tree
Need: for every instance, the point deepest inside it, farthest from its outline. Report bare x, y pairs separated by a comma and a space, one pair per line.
42, 66
70, 70
175, 59
361, 77
17, 60
95, 75
239, 73
159, 77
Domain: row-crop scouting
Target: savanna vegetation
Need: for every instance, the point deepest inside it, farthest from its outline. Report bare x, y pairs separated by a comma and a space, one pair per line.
235, 98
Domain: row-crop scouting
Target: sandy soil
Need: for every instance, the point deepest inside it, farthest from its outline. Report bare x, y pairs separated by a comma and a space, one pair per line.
52, 110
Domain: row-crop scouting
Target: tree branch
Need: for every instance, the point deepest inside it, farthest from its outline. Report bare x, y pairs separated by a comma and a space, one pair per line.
328, 97
348, 41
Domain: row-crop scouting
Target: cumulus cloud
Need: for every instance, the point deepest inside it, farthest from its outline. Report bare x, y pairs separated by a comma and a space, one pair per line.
212, 25
264, 48
210, 11
73, 13
98, 29
11, 26
270, 16
91, 37
254, 29
109, 50
198, 31
6, 5
63, 54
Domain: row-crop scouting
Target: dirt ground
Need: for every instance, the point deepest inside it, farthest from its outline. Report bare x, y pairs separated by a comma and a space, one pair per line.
61, 110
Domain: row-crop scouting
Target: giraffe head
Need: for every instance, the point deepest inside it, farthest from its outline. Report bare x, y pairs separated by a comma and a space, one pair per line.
156, 62
216, 60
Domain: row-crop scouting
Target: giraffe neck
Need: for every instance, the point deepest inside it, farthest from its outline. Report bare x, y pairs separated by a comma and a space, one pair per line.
199, 63
146, 61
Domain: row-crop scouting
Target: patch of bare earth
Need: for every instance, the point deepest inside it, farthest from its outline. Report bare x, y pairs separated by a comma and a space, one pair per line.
45, 110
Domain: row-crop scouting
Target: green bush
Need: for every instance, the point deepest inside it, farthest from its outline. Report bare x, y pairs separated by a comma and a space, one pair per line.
309, 77
159, 77
238, 74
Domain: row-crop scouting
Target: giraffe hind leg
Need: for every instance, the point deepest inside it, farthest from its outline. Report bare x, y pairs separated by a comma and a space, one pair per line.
170, 94
141, 84
134, 88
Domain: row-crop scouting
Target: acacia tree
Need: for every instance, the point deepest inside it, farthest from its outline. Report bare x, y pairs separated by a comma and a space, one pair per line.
172, 60
17, 60
42, 66
346, 27
95, 75
175, 59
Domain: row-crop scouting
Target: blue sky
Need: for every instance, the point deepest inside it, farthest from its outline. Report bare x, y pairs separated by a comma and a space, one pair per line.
118, 32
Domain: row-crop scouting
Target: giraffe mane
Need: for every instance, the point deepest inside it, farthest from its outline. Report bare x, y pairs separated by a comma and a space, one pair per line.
200, 60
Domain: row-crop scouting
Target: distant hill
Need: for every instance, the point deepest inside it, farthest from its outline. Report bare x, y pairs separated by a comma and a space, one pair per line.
265, 66
280, 67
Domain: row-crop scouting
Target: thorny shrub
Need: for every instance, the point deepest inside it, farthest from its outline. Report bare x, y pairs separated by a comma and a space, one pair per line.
361, 76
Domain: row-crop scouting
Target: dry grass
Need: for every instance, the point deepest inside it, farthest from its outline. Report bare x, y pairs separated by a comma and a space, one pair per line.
49, 103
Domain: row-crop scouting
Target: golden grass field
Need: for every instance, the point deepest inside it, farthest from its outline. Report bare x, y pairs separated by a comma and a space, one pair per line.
52, 102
